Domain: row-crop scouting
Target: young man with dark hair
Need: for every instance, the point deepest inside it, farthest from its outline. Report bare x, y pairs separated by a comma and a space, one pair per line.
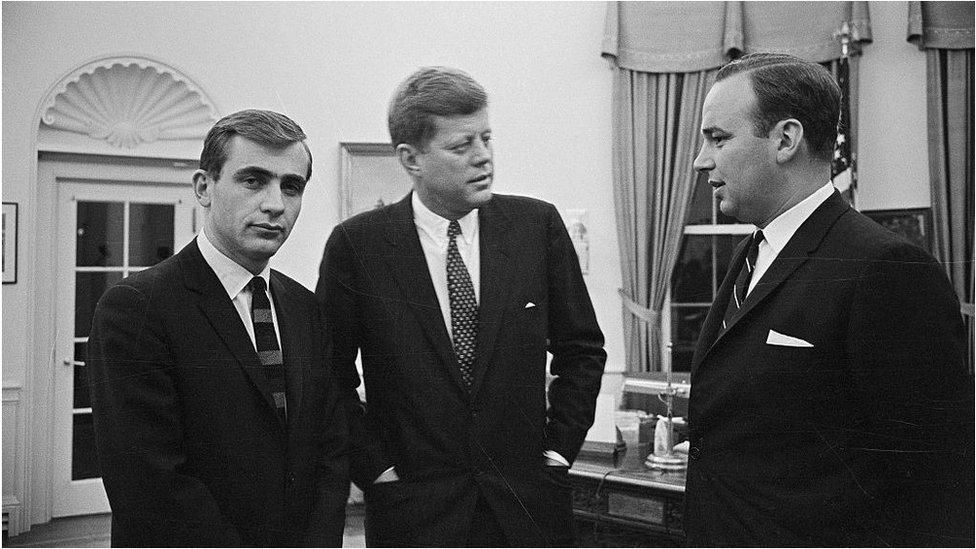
830, 403
453, 296
216, 415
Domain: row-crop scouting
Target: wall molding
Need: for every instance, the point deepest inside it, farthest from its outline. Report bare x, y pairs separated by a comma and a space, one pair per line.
128, 101
14, 485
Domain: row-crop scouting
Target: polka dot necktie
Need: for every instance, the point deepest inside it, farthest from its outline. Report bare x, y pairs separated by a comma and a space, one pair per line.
464, 307
741, 287
266, 342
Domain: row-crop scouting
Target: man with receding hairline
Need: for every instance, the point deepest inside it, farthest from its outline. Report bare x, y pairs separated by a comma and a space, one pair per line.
216, 415
831, 404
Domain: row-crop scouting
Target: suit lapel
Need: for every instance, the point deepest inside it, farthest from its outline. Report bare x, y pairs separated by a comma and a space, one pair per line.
409, 267
219, 310
797, 251
496, 283
293, 344
713, 321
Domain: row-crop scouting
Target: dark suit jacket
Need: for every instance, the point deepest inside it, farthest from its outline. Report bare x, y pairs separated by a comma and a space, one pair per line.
450, 445
865, 438
191, 449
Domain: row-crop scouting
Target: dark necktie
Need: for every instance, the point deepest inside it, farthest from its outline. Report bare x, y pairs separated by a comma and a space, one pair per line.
267, 343
464, 307
741, 287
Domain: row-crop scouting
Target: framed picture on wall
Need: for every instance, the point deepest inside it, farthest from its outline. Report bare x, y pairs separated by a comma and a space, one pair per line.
370, 177
912, 224
9, 242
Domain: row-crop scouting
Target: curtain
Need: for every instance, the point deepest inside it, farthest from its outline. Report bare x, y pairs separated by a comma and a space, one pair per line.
944, 31
665, 56
653, 182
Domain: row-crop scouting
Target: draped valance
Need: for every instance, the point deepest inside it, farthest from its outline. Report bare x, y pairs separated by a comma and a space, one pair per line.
675, 37
941, 25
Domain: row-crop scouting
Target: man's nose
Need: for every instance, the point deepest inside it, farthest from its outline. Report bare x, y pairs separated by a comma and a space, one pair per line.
482, 153
271, 198
703, 162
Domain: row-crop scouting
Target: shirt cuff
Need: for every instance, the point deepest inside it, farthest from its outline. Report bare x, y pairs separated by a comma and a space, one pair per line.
553, 455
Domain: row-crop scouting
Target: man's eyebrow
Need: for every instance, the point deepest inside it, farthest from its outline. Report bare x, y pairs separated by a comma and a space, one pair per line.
252, 170
293, 178
711, 130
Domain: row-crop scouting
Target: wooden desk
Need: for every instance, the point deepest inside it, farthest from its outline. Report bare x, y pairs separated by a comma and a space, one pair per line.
627, 508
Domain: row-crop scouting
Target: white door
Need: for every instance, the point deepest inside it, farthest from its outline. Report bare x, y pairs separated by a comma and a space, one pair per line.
106, 231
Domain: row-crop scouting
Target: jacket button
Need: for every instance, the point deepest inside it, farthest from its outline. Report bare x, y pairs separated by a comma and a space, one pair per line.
694, 453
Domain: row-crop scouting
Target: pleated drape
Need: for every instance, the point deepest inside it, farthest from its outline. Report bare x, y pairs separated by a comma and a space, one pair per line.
653, 183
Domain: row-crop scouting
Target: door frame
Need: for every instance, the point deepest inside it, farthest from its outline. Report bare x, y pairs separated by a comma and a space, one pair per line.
39, 393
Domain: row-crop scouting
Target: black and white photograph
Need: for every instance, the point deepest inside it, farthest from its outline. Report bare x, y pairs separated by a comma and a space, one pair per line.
488, 274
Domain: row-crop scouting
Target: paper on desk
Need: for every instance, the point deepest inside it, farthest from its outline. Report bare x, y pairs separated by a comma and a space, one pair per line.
603, 429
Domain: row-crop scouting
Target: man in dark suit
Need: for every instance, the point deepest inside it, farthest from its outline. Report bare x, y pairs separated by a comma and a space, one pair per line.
453, 297
216, 416
830, 399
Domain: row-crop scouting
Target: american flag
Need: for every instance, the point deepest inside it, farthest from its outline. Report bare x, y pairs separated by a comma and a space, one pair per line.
843, 171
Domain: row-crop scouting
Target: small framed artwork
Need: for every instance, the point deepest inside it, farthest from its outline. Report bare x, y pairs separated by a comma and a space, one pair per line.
9, 242
912, 224
370, 177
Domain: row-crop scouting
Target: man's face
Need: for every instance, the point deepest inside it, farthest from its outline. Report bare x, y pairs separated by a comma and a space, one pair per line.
454, 174
742, 167
252, 207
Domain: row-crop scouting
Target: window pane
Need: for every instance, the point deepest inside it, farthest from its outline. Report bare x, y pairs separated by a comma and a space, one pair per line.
700, 210
89, 287
82, 398
150, 233
100, 234
686, 324
83, 458
691, 281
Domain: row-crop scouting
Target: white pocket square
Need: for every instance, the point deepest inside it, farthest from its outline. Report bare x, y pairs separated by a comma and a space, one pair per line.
529, 305
776, 338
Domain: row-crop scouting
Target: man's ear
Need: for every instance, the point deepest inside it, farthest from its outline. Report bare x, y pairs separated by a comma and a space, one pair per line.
408, 156
202, 184
787, 135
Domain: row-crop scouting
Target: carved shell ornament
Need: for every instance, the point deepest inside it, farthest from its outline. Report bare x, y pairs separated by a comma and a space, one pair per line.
130, 103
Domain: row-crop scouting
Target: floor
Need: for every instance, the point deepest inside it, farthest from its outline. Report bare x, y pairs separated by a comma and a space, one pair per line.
94, 531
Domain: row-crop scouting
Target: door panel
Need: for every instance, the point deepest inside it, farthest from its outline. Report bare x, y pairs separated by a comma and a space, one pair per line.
107, 231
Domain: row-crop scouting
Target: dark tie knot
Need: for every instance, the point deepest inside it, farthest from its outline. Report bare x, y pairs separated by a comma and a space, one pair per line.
453, 229
256, 285
757, 238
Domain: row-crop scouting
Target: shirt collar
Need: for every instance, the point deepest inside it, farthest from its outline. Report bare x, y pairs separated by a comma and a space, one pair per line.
233, 277
780, 230
436, 226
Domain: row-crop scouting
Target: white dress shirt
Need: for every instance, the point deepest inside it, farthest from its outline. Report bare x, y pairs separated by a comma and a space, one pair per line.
432, 230
780, 230
234, 279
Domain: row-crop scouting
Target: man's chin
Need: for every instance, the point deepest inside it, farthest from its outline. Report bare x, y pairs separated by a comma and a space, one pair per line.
480, 198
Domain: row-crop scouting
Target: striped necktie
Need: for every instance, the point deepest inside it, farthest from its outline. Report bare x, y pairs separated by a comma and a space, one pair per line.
464, 306
741, 287
266, 342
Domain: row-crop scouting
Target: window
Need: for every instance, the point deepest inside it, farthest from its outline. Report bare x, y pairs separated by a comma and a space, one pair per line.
706, 250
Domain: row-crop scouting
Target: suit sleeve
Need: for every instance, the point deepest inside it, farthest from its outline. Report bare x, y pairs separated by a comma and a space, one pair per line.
139, 432
575, 342
336, 291
915, 423
328, 517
